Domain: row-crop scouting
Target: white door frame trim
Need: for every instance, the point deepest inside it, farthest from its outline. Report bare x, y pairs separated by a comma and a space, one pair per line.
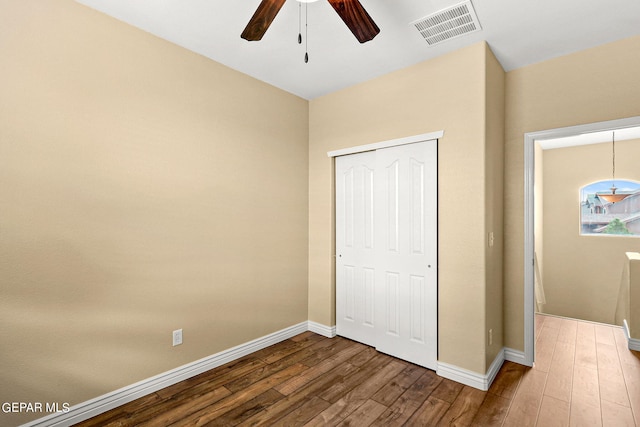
529, 168
386, 144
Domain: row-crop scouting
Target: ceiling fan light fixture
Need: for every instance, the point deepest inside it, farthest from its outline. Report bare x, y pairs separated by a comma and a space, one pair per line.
351, 12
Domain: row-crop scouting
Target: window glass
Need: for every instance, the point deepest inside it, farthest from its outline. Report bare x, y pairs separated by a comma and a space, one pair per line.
603, 212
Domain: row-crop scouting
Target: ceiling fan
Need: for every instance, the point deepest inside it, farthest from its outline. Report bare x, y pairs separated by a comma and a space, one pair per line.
351, 12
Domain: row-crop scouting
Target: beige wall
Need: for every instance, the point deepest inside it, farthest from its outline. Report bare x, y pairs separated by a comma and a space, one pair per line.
447, 93
143, 189
590, 86
494, 206
138, 179
582, 273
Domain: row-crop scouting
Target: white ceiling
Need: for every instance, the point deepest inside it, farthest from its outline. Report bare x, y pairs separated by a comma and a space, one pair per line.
520, 32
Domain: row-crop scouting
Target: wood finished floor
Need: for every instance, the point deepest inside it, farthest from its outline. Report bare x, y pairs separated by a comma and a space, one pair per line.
584, 376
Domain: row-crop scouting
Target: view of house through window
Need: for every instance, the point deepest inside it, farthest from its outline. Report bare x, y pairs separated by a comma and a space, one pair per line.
607, 212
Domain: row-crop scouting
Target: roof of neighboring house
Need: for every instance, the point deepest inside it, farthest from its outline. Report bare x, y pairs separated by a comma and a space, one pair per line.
594, 200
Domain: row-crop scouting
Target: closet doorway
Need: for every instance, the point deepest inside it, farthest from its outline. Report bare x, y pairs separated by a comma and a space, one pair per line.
386, 250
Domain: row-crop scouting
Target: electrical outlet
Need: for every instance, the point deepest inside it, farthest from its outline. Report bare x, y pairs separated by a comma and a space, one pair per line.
177, 337
491, 239
490, 336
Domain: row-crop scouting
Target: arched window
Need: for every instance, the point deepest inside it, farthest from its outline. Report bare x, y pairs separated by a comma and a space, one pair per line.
608, 211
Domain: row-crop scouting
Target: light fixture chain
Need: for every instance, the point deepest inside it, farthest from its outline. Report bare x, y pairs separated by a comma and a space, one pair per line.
614, 158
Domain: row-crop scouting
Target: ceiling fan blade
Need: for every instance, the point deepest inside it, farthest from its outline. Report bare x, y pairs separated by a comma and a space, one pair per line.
356, 18
261, 19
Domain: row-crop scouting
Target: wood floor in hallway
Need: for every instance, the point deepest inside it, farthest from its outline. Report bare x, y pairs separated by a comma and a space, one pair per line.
584, 376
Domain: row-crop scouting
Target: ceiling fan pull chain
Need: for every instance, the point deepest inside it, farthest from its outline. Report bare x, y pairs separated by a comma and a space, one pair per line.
299, 23
306, 33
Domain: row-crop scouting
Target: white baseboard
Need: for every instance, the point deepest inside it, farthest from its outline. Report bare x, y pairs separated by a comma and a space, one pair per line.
106, 402
327, 331
470, 378
515, 356
632, 343
494, 368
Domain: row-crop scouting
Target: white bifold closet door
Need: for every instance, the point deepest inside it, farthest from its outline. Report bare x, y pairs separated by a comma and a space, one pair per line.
386, 250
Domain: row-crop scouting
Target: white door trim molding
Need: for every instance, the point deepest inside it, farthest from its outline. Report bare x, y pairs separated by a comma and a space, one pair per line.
386, 144
529, 167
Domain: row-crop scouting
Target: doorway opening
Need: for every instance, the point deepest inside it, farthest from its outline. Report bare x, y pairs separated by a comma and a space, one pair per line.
573, 133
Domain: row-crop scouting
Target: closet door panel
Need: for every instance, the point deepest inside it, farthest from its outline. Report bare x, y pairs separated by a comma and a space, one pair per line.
407, 229
386, 250
355, 245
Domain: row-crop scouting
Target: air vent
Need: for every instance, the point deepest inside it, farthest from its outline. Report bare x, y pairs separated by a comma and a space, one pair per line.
448, 23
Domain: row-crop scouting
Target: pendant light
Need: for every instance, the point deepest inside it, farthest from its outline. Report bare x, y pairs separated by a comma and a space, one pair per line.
613, 197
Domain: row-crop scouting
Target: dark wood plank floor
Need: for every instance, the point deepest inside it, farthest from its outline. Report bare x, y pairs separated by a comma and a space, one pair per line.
310, 380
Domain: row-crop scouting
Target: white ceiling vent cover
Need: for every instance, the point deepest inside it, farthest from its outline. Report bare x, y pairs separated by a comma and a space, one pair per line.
448, 23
